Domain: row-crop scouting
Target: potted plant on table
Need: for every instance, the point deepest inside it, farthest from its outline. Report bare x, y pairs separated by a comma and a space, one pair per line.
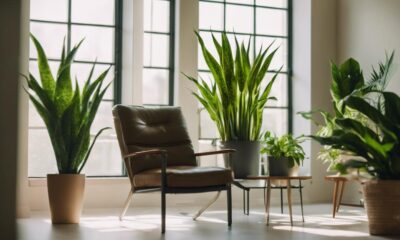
284, 154
372, 144
68, 114
236, 98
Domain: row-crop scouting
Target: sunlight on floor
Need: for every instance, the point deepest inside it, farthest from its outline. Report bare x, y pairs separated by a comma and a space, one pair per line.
143, 223
348, 223
323, 232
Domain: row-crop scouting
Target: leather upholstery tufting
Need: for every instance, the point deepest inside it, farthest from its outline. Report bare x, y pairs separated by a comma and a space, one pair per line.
140, 128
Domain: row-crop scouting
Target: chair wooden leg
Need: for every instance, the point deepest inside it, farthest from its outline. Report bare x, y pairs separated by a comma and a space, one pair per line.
334, 200
163, 213
289, 196
207, 205
229, 204
126, 206
342, 184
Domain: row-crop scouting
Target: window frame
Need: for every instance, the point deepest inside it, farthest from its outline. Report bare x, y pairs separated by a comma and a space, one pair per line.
254, 34
117, 63
171, 60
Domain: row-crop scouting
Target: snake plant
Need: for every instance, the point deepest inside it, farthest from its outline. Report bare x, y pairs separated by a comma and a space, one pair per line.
67, 111
235, 99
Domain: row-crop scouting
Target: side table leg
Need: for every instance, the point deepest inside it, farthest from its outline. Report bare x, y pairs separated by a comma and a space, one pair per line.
289, 192
301, 199
334, 200
268, 198
244, 202
342, 184
281, 199
248, 201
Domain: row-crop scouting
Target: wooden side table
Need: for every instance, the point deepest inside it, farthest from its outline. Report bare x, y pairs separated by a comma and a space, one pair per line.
289, 191
338, 188
246, 185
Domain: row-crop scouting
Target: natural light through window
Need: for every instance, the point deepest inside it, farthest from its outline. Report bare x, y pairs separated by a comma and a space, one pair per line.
72, 20
261, 22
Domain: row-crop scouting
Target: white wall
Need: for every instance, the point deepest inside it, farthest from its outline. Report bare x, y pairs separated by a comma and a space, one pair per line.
23, 209
314, 45
366, 29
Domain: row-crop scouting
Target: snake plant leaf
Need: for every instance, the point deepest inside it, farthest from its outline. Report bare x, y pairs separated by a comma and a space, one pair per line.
46, 77
235, 99
67, 112
218, 47
63, 90
91, 147
89, 78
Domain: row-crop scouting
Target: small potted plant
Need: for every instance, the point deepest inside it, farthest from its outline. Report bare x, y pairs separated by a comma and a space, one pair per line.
68, 113
284, 154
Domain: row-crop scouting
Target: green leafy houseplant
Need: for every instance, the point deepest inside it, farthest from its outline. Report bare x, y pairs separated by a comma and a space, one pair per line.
369, 133
235, 99
348, 80
285, 146
68, 113
378, 146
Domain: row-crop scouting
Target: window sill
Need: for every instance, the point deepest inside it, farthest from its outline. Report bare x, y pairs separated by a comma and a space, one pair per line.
40, 182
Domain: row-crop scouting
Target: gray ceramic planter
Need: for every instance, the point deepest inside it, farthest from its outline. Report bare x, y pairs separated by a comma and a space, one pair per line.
246, 159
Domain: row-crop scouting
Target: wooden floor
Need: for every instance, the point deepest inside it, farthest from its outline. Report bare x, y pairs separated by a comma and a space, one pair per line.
144, 223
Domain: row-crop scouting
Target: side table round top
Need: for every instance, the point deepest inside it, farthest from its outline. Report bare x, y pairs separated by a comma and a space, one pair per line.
336, 178
265, 177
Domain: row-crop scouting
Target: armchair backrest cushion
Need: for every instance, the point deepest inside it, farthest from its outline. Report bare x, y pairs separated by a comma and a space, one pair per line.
140, 128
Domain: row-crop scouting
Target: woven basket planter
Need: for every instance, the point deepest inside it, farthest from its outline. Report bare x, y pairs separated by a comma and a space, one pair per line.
382, 201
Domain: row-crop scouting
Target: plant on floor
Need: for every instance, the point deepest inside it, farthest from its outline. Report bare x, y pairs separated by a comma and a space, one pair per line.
236, 97
285, 146
68, 113
375, 146
348, 80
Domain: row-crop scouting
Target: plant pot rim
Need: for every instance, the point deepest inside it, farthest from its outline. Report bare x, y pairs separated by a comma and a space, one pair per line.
240, 141
65, 174
382, 181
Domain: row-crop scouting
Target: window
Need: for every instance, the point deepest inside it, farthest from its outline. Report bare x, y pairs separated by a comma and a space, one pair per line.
158, 69
51, 22
261, 22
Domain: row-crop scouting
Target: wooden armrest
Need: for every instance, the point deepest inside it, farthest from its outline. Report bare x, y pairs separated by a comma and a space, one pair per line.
146, 152
225, 151
152, 152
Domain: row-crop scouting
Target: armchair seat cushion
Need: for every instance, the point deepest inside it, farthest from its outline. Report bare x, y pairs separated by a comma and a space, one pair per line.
185, 176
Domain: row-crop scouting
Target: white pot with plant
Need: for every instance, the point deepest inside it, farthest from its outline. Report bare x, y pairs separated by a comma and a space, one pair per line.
68, 113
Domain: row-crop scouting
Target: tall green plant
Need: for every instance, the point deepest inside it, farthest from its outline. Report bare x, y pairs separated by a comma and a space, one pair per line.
348, 80
68, 113
235, 99
377, 147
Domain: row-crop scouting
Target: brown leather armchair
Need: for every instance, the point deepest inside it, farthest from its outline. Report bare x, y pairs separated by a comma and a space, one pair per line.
158, 155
